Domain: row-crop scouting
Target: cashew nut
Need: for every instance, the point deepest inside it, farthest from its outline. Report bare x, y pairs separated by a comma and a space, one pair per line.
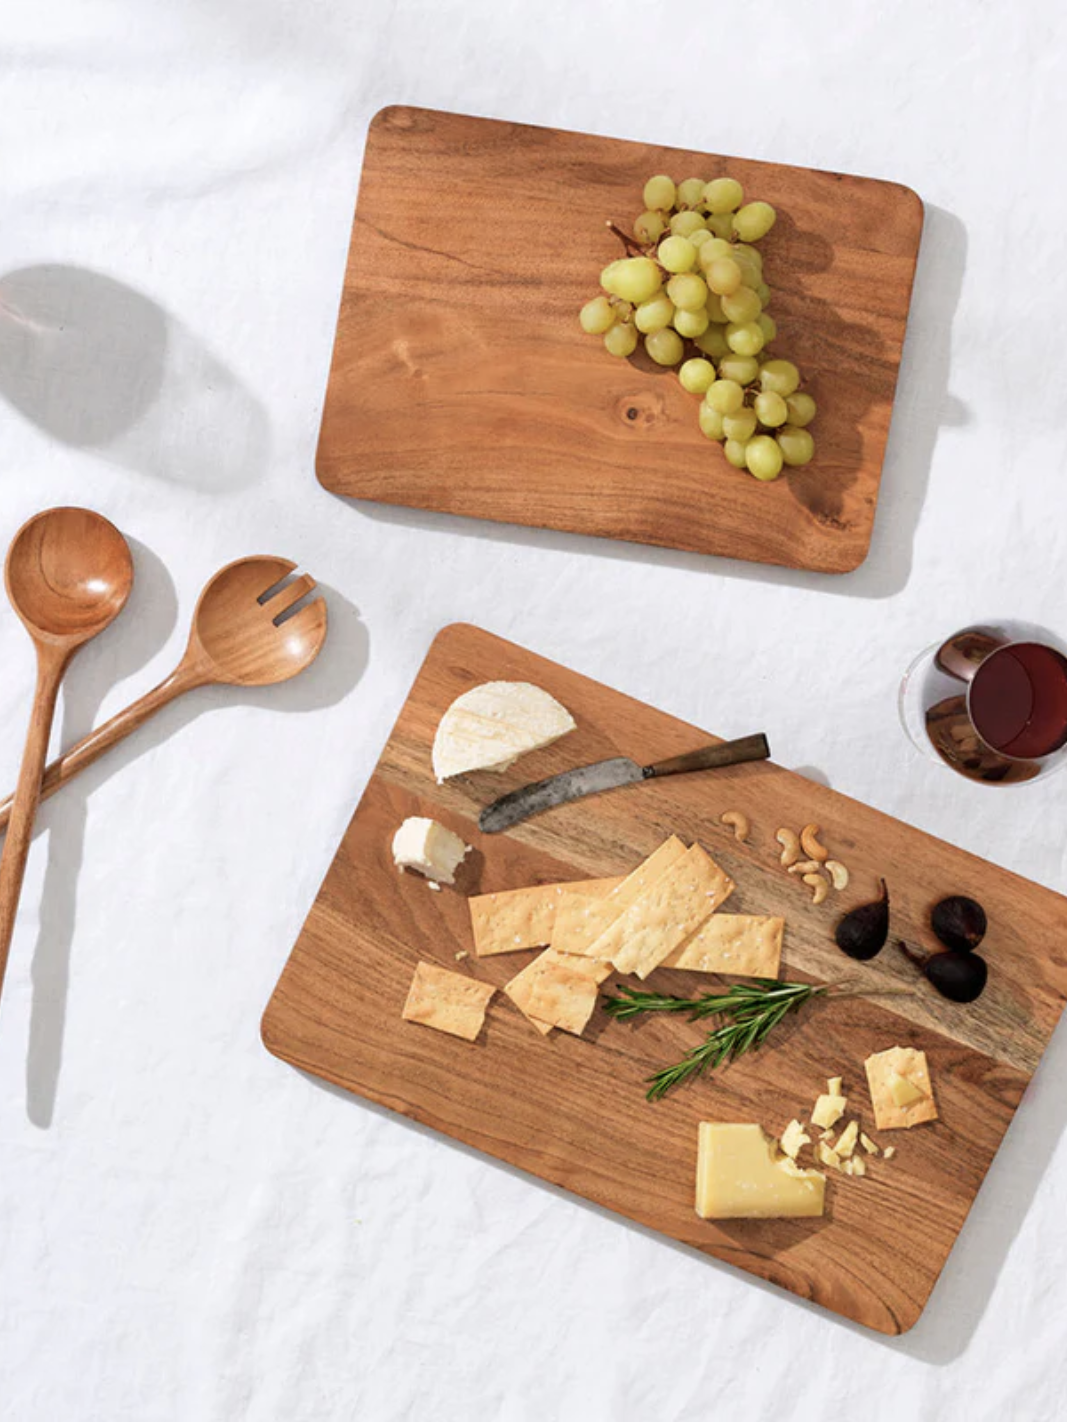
819, 887
790, 843
809, 843
805, 866
837, 872
738, 821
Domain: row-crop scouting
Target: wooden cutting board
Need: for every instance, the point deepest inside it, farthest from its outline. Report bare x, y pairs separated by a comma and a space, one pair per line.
573, 1110
461, 380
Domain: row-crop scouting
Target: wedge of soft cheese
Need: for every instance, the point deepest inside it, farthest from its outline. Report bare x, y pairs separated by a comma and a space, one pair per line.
741, 1175
490, 726
428, 848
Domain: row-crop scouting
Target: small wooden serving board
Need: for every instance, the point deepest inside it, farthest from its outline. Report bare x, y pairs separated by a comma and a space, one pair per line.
573, 1110
461, 380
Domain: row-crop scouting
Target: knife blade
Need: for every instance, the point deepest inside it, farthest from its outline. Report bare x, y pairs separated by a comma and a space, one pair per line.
534, 799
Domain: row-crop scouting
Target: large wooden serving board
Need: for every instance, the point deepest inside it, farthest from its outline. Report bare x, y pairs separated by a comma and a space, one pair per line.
573, 1110
461, 380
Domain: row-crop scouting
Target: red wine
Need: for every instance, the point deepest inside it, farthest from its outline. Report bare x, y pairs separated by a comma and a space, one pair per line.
1018, 700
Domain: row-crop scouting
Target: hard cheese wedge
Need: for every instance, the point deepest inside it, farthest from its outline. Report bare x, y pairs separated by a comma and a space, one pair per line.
665, 914
579, 923
741, 1176
490, 726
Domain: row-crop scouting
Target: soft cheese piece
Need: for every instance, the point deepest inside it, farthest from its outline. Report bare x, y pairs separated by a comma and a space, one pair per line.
665, 914
580, 921
740, 1175
901, 1093
513, 919
490, 726
745, 945
429, 848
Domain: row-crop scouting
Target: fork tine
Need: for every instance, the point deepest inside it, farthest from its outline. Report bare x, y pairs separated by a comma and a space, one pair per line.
290, 594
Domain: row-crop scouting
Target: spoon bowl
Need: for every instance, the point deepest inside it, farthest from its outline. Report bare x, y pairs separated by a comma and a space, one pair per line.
68, 575
241, 633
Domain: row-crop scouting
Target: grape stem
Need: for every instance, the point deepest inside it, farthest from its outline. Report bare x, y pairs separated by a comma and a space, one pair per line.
633, 248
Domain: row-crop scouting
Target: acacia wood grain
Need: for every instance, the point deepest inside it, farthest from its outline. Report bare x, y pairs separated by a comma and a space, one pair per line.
572, 1111
461, 381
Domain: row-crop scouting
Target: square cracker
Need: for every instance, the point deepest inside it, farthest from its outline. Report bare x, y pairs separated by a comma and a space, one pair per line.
450, 1002
514, 919
747, 945
907, 1062
665, 914
558, 990
580, 923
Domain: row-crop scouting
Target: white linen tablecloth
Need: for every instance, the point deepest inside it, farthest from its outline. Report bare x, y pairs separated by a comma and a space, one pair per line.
189, 1229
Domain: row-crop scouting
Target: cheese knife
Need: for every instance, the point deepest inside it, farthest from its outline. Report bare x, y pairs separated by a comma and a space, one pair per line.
603, 775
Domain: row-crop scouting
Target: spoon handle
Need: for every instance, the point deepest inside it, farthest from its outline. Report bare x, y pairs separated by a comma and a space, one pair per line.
51, 663
91, 747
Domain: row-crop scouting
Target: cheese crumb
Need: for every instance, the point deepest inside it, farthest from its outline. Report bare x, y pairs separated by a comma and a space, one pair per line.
461, 955
829, 1157
828, 1110
847, 1141
833, 1086
793, 1137
889, 1152
859, 1165
868, 1145
903, 1091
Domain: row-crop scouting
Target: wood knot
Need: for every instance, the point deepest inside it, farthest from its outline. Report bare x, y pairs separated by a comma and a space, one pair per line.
643, 411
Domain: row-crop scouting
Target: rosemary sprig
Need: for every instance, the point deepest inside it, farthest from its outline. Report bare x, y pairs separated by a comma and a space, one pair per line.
752, 1011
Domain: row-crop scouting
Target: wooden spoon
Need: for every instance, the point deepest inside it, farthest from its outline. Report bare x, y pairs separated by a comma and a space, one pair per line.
68, 574
236, 640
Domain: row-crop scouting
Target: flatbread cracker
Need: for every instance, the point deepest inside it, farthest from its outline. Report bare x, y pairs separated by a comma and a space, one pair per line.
447, 1001
514, 919
909, 1063
747, 945
558, 990
579, 924
665, 915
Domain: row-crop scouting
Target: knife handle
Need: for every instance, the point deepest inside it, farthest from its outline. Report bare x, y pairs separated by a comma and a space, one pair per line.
712, 757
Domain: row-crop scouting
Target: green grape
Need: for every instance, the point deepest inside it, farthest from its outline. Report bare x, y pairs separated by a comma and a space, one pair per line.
712, 249
621, 340
699, 237
734, 449
709, 420
740, 425
649, 227
597, 316
713, 343
744, 339
688, 291
741, 305
801, 409
763, 291
654, 314
713, 306
743, 369
690, 323
690, 192
677, 254
659, 194
763, 458
770, 409
747, 253
696, 375
750, 276
721, 224
723, 196
682, 223
726, 396
724, 275
781, 376
754, 221
768, 325
634, 279
665, 347
797, 445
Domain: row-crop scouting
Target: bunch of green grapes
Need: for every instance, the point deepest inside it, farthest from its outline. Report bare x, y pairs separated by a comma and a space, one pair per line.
692, 288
